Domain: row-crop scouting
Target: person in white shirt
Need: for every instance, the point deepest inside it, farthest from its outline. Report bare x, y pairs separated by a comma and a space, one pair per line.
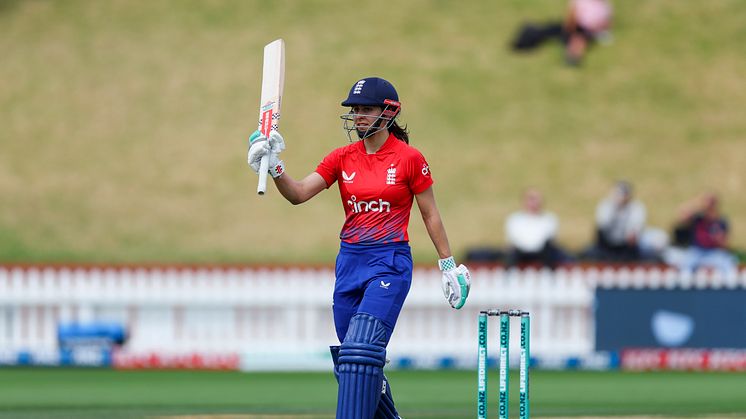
530, 233
620, 222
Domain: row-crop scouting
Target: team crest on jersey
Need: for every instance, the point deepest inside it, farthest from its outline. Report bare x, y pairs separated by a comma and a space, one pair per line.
391, 175
348, 178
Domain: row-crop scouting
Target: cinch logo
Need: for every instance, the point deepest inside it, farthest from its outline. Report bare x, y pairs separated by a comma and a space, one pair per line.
358, 87
425, 169
368, 206
385, 285
348, 178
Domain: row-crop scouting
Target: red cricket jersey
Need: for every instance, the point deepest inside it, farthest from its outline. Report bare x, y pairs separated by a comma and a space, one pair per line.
377, 190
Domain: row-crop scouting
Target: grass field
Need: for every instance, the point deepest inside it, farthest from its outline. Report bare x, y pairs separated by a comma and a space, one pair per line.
124, 125
41, 393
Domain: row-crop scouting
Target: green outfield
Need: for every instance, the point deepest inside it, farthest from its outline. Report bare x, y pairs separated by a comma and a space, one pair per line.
80, 393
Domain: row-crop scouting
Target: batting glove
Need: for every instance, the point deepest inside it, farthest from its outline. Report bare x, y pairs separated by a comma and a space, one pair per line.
259, 147
456, 282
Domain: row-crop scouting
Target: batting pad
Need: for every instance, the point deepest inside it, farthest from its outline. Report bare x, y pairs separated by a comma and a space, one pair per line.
361, 360
386, 409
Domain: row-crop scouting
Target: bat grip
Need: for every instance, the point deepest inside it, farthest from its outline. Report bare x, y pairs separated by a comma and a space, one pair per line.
263, 170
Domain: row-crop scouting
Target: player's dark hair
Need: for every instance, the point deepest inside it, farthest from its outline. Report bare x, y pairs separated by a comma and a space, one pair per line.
399, 132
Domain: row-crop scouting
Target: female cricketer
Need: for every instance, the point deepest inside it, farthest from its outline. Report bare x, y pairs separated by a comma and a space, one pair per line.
379, 176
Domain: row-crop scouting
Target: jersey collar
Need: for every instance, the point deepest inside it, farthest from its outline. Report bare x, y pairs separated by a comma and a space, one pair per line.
387, 146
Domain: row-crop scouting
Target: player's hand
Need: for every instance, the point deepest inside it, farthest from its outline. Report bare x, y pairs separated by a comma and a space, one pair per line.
456, 282
260, 146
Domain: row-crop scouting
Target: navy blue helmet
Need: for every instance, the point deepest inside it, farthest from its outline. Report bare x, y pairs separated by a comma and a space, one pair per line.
371, 91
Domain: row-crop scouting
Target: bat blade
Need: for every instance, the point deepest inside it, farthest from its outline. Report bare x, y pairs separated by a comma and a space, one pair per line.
273, 81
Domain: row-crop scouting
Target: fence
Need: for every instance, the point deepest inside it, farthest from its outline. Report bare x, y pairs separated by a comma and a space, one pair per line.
271, 315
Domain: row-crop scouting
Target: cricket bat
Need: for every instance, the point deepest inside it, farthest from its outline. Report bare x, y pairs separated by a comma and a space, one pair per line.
273, 80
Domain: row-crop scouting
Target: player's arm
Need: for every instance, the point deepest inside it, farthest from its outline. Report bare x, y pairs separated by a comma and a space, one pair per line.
433, 222
300, 191
456, 279
293, 190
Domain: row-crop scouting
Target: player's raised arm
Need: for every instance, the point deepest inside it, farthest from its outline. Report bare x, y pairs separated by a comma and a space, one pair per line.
293, 190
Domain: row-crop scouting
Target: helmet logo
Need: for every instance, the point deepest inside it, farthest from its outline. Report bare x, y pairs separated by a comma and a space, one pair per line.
358, 87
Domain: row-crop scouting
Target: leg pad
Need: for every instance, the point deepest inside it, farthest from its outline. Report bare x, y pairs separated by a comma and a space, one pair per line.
386, 409
360, 366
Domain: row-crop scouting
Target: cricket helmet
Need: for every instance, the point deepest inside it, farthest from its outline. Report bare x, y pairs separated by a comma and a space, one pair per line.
372, 91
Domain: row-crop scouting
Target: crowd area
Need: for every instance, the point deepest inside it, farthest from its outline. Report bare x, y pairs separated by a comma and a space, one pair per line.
699, 237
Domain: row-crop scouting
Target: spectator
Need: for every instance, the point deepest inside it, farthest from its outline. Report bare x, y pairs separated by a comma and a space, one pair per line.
586, 21
703, 230
531, 232
620, 222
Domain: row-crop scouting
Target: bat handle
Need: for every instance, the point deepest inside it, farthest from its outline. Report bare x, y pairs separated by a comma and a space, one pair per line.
261, 187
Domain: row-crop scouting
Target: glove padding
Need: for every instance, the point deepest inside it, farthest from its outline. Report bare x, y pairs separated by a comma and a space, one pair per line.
456, 282
259, 147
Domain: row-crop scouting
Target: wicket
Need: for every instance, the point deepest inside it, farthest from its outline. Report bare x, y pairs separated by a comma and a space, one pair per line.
504, 350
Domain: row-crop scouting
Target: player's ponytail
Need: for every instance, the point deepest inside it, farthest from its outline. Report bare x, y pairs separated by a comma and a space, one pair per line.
399, 132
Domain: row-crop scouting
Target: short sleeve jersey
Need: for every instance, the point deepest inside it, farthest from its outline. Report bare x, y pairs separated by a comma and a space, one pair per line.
377, 189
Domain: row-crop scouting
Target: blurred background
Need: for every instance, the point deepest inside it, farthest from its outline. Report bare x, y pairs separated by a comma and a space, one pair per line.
125, 126
130, 227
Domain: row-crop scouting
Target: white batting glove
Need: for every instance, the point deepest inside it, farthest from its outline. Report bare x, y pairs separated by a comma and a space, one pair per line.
456, 282
259, 147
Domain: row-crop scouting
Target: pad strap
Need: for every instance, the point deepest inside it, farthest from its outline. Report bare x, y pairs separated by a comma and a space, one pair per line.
386, 409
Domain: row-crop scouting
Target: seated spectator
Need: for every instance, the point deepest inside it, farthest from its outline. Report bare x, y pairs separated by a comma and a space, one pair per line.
703, 232
620, 222
586, 22
531, 232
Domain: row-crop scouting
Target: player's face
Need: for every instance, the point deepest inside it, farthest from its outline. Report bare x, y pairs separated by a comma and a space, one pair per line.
365, 116
365, 121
